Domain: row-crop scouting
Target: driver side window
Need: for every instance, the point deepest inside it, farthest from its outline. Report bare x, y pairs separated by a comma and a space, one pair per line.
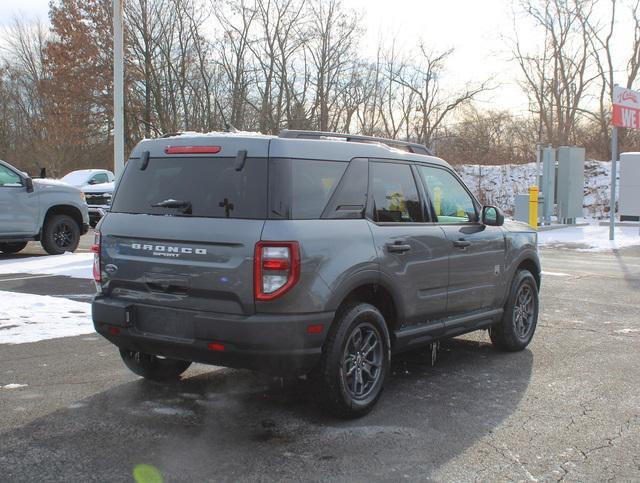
99, 178
451, 202
8, 178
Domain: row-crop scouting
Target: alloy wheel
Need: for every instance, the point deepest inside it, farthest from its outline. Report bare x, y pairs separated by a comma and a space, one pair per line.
524, 311
362, 360
63, 235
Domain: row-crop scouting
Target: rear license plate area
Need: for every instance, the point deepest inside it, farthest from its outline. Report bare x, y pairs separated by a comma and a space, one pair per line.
162, 322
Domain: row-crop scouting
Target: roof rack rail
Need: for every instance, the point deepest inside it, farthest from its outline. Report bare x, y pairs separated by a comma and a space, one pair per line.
394, 143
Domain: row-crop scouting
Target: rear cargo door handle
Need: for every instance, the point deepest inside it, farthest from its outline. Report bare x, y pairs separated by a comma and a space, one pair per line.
461, 243
397, 247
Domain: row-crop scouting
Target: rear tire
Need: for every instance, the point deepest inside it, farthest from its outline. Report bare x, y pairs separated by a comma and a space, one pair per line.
60, 234
354, 362
515, 331
152, 367
10, 248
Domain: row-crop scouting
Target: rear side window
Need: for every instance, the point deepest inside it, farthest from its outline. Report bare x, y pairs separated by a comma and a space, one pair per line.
301, 188
394, 193
194, 186
350, 197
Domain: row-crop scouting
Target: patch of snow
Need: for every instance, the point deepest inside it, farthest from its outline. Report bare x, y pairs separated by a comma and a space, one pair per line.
556, 274
627, 331
13, 386
170, 411
76, 265
195, 134
30, 318
591, 238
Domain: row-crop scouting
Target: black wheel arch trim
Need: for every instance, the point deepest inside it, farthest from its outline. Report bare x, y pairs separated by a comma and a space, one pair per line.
69, 210
361, 279
528, 255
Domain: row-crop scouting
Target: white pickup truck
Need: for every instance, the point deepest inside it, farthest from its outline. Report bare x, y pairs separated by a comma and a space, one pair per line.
98, 186
45, 210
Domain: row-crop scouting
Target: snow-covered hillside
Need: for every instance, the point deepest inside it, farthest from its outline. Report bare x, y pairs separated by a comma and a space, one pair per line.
499, 185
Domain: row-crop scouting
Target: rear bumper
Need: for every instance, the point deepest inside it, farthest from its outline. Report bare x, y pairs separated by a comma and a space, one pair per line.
275, 344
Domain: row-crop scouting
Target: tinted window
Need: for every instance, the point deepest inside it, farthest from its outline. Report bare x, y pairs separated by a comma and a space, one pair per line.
211, 186
100, 178
9, 178
394, 193
350, 197
301, 188
451, 202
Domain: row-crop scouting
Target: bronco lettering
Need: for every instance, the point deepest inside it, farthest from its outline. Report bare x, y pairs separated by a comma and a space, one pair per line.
169, 249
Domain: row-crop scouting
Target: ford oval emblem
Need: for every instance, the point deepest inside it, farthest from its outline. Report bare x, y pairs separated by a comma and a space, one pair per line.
110, 268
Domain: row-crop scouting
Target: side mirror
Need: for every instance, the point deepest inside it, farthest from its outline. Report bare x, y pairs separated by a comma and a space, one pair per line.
492, 216
28, 182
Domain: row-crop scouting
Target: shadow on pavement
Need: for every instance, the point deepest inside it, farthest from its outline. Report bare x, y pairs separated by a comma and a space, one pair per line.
632, 277
236, 425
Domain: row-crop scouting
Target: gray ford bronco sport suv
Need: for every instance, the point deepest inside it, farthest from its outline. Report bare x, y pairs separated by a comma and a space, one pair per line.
304, 253
39, 209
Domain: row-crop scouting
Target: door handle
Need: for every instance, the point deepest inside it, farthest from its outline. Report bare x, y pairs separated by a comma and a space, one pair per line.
461, 243
397, 247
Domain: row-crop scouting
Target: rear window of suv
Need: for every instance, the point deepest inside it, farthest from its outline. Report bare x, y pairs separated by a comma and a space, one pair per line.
194, 186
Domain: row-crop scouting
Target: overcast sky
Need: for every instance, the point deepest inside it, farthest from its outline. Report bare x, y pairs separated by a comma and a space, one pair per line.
476, 29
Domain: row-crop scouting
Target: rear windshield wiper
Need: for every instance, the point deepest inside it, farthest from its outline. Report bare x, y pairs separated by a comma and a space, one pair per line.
171, 203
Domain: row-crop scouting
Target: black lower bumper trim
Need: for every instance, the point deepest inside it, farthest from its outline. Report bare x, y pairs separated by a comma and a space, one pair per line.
275, 344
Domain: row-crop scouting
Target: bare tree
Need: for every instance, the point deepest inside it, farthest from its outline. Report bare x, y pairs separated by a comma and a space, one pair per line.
433, 104
558, 78
331, 48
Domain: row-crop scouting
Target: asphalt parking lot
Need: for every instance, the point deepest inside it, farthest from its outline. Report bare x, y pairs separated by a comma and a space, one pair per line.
567, 408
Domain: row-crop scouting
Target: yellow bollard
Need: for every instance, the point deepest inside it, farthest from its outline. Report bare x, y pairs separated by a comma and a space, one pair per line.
533, 206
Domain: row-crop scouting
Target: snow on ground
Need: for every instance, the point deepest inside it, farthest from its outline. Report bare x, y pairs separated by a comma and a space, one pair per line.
30, 318
590, 238
76, 265
13, 386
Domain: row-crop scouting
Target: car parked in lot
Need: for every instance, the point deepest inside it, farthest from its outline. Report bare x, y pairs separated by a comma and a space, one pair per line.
98, 186
39, 209
305, 253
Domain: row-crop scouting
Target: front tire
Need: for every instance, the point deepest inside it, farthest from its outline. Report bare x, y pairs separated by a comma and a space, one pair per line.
152, 367
515, 331
60, 234
10, 248
355, 361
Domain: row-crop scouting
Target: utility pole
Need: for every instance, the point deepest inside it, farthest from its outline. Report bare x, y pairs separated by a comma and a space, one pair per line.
614, 163
118, 88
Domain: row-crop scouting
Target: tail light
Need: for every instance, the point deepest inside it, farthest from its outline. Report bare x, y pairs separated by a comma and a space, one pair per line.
95, 249
276, 268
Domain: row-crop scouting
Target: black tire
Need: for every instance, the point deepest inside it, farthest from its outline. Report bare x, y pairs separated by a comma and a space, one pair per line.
10, 248
515, 331
60, 234
153, 367
346, 365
